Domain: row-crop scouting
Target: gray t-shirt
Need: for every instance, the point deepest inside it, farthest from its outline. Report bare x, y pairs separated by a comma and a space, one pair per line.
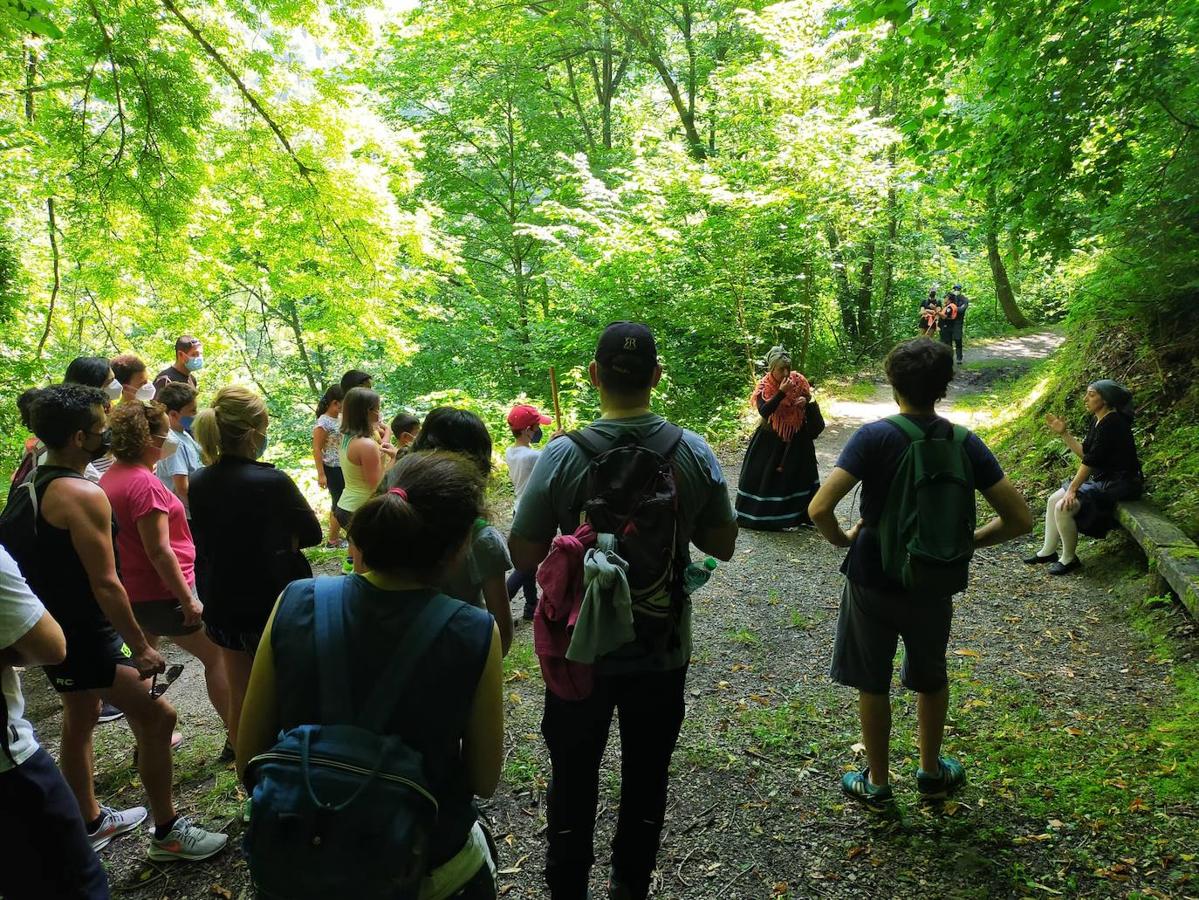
486, 558
184, 461
554, 495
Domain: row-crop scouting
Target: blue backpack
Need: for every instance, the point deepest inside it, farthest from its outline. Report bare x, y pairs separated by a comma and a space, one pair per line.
342, 808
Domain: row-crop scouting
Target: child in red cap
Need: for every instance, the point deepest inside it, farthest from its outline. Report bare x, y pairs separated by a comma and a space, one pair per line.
525, 422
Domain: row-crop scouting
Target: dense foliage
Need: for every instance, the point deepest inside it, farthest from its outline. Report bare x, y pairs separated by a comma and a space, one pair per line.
457, 194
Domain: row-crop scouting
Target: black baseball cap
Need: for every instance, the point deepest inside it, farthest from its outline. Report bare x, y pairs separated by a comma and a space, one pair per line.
627, 348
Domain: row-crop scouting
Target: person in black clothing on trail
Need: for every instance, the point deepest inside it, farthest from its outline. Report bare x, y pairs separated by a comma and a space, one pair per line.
249, 522
876, 611
189, 359
779, 474
450, 708
930, 314
953, 322
1109, 471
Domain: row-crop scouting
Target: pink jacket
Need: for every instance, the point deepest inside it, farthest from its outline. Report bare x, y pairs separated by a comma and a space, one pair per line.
560, 578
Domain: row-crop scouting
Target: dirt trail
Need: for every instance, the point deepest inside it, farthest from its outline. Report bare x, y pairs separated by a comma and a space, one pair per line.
754, 809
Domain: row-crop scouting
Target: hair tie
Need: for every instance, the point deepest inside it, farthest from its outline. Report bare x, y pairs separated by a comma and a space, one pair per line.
399, 492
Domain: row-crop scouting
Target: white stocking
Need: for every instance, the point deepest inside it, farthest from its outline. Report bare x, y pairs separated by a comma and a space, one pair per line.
1069, 533
1052, 539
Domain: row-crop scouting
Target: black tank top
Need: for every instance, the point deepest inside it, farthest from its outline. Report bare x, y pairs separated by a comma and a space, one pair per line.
60, 581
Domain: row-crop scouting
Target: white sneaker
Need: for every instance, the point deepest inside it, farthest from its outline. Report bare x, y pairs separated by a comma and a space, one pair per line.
114, 823
188, 842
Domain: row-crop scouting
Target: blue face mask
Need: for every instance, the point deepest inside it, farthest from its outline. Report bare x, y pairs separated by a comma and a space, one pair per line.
186, 422
266, 440
194, 363
536, 436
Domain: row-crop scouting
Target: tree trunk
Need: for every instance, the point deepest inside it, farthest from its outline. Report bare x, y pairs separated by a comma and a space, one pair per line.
1003, 286
865, 294
845, 300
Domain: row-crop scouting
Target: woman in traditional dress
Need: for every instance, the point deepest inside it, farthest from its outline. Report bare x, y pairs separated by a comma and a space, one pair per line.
779, 474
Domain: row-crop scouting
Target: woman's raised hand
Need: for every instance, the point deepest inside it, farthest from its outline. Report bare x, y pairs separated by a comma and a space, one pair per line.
1055, 423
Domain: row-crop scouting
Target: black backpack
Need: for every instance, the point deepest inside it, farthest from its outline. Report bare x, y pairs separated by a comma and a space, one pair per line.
631, 494
18, 521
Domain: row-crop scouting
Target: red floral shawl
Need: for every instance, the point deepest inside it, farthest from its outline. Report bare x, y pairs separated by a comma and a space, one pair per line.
788, 417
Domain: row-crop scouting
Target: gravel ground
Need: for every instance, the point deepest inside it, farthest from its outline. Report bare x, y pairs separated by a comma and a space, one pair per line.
754, 809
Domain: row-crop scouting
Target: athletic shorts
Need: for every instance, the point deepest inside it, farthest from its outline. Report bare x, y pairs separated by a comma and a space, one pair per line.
242, 640
335, 478
93, 655
343, 516
162, 617
869, 627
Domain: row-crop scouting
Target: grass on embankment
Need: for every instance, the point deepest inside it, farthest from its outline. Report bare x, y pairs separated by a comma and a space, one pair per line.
1158, 366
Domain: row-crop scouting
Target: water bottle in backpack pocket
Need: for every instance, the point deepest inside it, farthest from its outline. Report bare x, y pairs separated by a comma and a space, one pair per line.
926, 530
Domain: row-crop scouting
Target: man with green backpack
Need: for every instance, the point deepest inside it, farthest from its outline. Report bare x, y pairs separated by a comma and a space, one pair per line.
909, 553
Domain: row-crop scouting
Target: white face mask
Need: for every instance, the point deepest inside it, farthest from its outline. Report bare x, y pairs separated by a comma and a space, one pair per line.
169, 446
113, 389
145, 393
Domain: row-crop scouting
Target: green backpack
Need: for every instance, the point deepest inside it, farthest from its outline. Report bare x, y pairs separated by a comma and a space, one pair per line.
926, 529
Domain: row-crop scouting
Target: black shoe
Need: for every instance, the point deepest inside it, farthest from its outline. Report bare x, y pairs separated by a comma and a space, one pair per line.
1036, 560
109, 713
1060, 568
527, 615
228, 754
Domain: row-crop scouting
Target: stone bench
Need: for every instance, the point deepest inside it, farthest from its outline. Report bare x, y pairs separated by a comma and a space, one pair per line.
1173, 557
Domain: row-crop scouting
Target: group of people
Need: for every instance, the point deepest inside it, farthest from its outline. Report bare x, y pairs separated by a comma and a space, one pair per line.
210, 558
947, 319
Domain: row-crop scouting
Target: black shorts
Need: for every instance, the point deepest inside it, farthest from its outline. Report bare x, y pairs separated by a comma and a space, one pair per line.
232, 638
162, 617
47, 851
343, 516
869, 627
93, 655
335, 478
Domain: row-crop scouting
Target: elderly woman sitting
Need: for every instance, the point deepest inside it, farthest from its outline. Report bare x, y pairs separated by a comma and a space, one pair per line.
1110, 472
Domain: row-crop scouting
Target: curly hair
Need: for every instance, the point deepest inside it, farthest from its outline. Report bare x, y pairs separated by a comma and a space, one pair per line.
132, 425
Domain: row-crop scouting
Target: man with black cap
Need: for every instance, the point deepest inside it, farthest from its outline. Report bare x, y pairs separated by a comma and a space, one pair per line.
643, 681
188, 360
952, 326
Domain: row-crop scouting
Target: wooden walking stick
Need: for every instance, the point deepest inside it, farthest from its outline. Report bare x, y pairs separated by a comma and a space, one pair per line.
557, 404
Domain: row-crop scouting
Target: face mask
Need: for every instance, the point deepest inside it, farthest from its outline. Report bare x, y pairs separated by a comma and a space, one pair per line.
186, 422
145, 393
113, 389
266, 439
105, 438
536, 436
169, 447
194, 363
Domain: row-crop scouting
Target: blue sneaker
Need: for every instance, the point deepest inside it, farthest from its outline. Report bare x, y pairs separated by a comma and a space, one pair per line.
937, 787
858, 786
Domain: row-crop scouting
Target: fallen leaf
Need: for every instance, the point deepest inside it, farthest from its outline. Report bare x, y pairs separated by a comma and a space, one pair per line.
1074, 731
514, 697
966, 651
218, 890
1056, 823
859, 747
855, 852
779, 889
1138, 805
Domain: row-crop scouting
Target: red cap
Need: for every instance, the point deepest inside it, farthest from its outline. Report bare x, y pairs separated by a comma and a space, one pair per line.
523, 416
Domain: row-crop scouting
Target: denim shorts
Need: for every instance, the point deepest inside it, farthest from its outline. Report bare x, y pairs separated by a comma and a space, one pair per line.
869, 627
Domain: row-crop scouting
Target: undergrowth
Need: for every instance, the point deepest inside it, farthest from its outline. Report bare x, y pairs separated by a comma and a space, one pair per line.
1154, 356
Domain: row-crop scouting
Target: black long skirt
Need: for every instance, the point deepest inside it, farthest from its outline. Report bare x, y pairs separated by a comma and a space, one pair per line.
769, 499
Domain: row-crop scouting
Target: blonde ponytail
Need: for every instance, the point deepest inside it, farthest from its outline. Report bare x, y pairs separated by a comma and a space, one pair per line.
232, 424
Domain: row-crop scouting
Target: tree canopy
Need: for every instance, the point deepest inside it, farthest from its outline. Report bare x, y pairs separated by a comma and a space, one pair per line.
456, 195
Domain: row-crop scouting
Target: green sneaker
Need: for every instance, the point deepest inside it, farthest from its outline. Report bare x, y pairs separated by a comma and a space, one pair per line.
937, 787
858, 786
347, 567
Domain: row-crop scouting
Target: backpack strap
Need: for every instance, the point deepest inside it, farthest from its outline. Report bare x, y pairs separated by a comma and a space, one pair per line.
910, 429
664, 441
39, 479
332, 660
389, 689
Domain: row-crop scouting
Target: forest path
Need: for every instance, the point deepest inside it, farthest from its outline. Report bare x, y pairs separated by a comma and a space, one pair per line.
1043, 673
